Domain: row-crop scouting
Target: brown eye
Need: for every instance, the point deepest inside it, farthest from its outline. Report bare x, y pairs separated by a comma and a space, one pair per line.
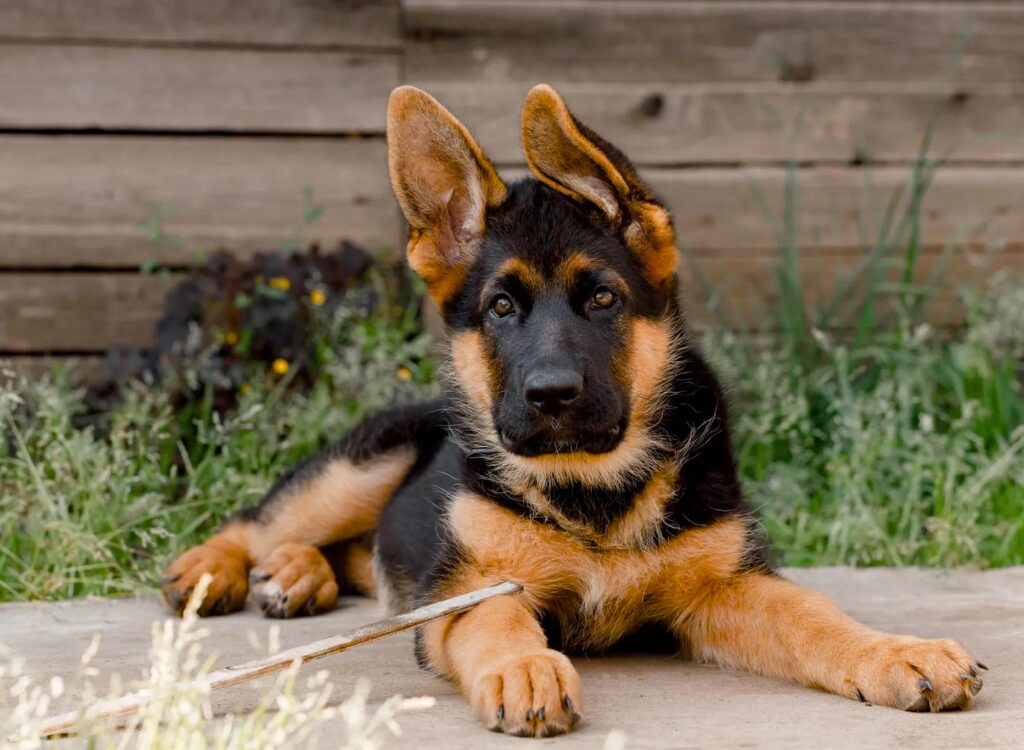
502, 306
603, 299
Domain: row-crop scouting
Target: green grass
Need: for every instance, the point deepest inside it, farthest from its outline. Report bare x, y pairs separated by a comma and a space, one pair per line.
99, 508
905, 449
889, 443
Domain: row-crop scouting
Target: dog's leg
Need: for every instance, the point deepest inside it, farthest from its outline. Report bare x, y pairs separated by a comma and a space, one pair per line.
766, 624
498, 656
335, 496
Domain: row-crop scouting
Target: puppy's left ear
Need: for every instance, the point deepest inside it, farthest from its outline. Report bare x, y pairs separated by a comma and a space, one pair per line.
569, 157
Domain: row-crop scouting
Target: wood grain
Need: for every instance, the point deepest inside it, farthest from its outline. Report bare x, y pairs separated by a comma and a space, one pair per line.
264, 22
85, 369
247, 195
721, 123
78, 312
89, 312
743, 292
494, 41
726, 210
79, 201
161, 88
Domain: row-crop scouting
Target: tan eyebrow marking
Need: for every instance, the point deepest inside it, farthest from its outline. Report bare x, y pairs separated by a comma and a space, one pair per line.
578, 263
526, 273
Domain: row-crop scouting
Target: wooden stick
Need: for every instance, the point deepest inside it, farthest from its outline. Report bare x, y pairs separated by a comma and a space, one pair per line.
222, 678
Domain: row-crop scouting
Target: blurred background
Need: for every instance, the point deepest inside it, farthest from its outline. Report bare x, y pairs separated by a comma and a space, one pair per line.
202, 275
144, 135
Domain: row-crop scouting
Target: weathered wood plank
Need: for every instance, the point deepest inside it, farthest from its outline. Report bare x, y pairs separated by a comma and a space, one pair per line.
493, 41
75, 87
743, 292
263, 22
88, 369
84, 312
716, 123
741, 210
78, 312
79, 201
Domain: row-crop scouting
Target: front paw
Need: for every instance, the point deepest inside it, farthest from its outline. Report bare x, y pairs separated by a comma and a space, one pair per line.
226, 565
916, 675
294, 580
536, 695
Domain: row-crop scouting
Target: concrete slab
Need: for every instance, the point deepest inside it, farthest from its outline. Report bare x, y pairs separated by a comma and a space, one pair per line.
659, 702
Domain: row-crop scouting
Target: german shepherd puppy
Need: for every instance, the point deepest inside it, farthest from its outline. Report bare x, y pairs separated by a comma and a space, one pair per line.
582, 451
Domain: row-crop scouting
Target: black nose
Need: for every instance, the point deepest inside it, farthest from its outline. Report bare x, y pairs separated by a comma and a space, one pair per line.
552, 390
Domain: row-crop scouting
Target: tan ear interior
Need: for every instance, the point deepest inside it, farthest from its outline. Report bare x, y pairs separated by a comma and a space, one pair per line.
444, 184
565, 159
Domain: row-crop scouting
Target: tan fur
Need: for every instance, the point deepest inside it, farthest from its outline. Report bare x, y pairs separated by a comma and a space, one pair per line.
444, 184
343, 501
639, 527
696, 584
293, 579
768, 625
357, 568
225, 557
469, 363
497, 655
614, 585
578, 263
650, 343
631, 456
564, 159
652, 239
526, 273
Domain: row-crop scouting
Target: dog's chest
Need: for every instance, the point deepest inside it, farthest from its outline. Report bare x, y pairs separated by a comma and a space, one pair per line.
602, 597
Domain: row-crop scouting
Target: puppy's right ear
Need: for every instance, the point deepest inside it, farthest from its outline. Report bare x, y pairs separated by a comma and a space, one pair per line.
444, 183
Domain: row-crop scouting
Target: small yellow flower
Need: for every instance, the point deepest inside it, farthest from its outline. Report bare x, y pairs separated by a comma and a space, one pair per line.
245, 388
404, 373
280, 366
230, 338
317, 297
280, 282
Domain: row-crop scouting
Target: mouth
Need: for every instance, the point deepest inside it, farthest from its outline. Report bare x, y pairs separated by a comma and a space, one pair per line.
545, 443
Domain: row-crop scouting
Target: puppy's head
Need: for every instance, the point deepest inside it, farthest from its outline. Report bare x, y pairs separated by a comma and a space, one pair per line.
558, 290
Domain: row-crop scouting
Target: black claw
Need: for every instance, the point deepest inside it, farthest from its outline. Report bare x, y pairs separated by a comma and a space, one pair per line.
501, 712
973, 671
309, 605
220, 607
258, 577
965, 677
567, 702
540, 714
982, 666
529, 715
169, 579
922, 705
925, 684
860, 696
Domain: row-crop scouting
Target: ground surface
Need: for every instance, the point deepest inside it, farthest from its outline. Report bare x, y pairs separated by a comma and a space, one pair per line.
657, 701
